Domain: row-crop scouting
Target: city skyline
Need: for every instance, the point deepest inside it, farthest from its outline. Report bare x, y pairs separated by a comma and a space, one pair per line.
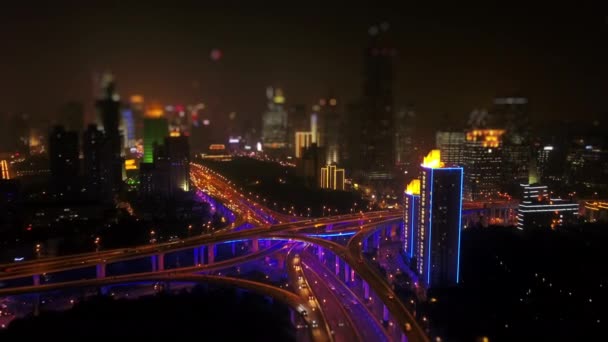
166, 56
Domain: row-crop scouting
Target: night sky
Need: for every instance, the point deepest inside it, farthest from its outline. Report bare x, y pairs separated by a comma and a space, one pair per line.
450, 59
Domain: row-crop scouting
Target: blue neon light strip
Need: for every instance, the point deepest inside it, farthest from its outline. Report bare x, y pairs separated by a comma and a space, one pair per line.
459, 227
428, 266
331, 234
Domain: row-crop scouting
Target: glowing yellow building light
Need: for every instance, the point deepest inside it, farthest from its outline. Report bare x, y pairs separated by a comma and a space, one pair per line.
130, 164
433, 160
333, 102
154, 112
488, 137
278, 96
4, 170
217, 147
413, 188
174, 134
137, 99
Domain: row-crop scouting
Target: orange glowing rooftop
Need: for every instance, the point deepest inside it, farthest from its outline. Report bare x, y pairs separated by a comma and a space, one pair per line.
433, 160
413, 188
487, 137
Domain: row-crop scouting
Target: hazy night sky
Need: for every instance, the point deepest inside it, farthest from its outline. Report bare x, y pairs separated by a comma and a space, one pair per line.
450, 59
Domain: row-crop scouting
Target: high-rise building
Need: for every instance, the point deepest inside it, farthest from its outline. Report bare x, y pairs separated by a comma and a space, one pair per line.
482, 161
376, 122
451, 145
512, 114
303, 140
309, 166
156, 128
328, 126
537, 209
92, 149
274, 122
439, 227
332, 178
405, 146
411, 209
127, 125
108, 107
178, 155
63, 155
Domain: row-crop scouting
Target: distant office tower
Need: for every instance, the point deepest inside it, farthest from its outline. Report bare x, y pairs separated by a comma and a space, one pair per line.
332, 178
92, 148
328, 126
127, 125
109, 111
376, 122
309, 166
439, 228
169, 173
303, 140
298, 119
63, 155
178, 155
512, 114
136, 103
482, 161
451, 145
274, 122
411, 209
537, 209
156, 128
405, 147
543, 155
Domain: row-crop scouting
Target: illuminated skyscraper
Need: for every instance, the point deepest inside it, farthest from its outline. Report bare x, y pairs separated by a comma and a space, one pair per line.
512, 114
156, 128
451, 145
178, 155
410, 217
332, 178
303, 140
482, 159
439, 226
274, 122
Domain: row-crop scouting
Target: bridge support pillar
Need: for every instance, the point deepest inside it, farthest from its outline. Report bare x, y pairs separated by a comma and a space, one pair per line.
255, 245
352, 275
36, 279
154, 262
211, 250
338, 267
365, 244
320, 253
196, 255
293, 317
376, 240
384, 313
346, 273
365, 289
161, 262
100, 271
233, 246
330, 227
403, 337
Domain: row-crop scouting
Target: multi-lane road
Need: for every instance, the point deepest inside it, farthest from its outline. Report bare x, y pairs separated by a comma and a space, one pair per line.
332, 311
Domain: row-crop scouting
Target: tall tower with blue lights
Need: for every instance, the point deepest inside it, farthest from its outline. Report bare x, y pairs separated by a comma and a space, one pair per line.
439, 223
410, 217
